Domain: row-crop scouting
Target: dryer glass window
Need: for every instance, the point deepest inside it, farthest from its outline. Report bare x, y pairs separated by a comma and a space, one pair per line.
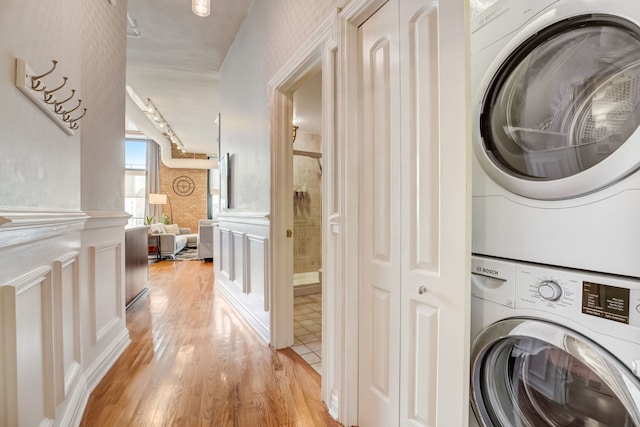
527, 382
566, 100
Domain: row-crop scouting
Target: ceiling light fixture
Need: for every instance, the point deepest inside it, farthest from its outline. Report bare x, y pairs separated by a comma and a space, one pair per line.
201, 7
156, 118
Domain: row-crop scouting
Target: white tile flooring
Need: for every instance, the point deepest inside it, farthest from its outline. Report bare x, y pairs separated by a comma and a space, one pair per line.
307, 329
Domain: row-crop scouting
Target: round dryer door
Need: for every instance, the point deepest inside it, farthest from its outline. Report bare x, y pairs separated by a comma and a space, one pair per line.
532, 373
560, 116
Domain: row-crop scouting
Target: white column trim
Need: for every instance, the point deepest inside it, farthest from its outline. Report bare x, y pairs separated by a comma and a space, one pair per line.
317, 53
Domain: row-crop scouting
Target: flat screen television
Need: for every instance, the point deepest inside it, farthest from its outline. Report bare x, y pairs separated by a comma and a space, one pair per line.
225, 181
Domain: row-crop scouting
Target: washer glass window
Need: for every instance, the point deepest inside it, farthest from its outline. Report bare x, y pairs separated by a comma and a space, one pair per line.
567, 99
524, 381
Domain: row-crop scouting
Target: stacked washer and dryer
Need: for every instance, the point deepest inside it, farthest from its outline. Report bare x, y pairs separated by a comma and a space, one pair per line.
556, 214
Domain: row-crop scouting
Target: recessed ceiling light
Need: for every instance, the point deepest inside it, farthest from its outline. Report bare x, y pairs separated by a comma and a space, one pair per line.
201, 7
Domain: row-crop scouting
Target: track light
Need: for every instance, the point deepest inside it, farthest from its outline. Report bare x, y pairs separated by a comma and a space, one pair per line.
157, 119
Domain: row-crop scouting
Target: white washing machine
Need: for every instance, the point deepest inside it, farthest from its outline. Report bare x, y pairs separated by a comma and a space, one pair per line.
553, 346
556, 86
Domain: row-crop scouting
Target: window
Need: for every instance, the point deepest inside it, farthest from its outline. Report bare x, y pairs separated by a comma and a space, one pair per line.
135, 180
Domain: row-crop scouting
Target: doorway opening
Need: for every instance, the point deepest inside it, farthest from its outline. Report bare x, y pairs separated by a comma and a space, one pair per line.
307, 221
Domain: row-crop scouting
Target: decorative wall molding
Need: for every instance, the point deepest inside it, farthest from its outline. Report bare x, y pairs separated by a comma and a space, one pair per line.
102, 322
252, 218
258, 267
106, 219
305, 59
27, 305
66, 297
227, 254
236, 266
25, 226
239, 251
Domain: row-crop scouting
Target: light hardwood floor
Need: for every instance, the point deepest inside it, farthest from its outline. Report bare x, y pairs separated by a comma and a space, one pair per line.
194, 362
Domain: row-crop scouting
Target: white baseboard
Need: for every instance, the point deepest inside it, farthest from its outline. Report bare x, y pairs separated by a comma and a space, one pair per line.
77, 403
307, 289
245, 313
99, 368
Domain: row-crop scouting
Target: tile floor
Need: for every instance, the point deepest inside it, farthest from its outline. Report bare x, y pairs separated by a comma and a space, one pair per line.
307, 332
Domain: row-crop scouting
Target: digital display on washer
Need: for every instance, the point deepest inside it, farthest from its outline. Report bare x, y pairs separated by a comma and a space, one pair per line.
608, 302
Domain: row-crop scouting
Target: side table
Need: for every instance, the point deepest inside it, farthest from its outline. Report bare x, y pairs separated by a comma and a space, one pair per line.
157, 244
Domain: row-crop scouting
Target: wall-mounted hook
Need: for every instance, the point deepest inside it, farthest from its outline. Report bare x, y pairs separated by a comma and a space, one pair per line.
73, 124
48, 94
58, 105
33, 87
66, 116
35, 80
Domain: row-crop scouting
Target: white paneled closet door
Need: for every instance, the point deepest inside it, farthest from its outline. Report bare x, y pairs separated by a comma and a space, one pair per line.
379, 317
414, 207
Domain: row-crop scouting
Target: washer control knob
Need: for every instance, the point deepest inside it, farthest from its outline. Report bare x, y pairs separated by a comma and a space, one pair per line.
550, 290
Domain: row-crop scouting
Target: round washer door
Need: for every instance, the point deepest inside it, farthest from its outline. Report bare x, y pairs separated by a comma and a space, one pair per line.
532, 373
560, 115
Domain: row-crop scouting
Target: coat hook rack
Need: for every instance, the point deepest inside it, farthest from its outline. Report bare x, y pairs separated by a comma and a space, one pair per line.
34, 88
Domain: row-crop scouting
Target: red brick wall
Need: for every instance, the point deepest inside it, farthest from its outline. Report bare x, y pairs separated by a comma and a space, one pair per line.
187, 210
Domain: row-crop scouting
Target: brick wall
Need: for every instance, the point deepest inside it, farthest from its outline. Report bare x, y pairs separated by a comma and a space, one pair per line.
187, 210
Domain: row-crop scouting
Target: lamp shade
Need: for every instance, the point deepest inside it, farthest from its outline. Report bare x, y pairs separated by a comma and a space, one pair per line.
200, 7
157, 199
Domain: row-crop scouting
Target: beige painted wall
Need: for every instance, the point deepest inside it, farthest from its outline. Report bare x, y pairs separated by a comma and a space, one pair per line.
271, 33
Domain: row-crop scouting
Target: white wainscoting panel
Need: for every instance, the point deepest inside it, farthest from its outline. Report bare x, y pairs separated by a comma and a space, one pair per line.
226, 253
239, 266
66, 312
257, 279
242, 269
28, 350
106, 288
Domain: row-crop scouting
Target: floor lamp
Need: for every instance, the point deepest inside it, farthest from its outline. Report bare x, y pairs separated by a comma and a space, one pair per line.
161, 199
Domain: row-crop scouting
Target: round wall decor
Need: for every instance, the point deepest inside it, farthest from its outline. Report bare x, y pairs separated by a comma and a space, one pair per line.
183, 186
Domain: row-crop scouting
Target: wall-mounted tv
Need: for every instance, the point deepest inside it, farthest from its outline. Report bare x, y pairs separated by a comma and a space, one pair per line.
225, 181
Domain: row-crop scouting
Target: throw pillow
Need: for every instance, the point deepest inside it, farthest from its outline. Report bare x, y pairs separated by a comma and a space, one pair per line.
157, 228
172, 229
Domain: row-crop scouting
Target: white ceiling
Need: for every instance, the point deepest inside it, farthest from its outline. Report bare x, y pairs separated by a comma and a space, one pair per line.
176, 61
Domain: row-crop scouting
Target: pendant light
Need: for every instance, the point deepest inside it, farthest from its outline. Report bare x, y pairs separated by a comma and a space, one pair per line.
201, 7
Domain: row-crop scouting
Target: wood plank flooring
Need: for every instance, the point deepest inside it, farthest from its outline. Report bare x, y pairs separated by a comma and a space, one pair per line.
194, 362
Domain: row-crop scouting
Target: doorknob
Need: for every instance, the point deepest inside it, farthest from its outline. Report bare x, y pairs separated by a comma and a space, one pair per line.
422, 289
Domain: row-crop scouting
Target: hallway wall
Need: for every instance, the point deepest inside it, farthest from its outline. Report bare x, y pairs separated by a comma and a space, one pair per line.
271, 33
61, 210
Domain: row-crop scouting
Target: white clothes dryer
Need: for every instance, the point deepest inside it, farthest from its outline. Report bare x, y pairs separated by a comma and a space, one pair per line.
553, 347
556, 86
